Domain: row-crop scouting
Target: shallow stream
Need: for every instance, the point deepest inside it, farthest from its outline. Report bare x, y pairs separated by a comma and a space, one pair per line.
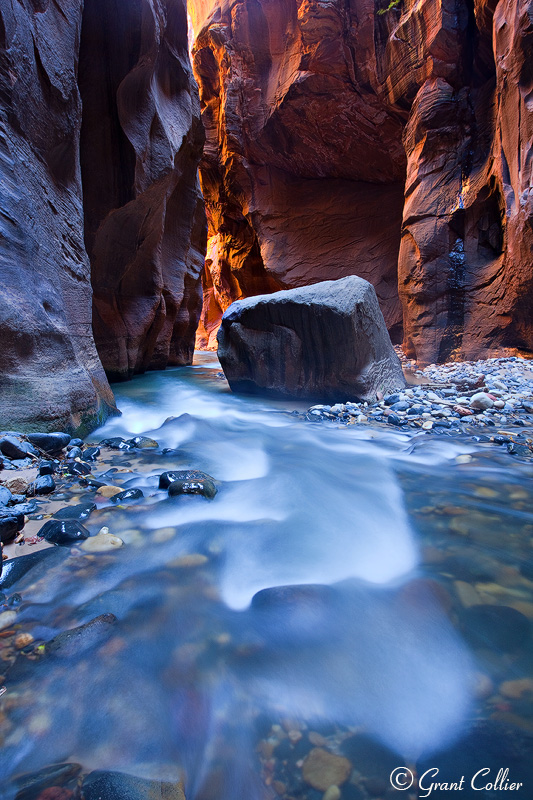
405, 638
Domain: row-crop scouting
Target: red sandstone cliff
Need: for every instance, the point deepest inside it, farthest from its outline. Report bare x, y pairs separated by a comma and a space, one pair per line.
110, 81
395, 146
141, 141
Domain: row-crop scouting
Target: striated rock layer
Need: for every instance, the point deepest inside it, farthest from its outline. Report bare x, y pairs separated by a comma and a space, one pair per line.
141, 141
50, 373
392, 142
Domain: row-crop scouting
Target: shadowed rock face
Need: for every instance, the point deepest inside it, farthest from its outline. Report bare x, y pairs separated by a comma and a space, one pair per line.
50, 374
395, 146
327, 341
141, 140
139, 214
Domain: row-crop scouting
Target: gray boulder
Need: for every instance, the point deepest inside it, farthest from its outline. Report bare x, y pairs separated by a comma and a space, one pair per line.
327, 341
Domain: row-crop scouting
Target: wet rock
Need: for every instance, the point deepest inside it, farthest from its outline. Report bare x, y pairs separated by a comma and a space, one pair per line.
142, 442
7, 619
106, 490
267, 343
204, 486
63, 532
116, 443
15, 568
517, 449
77, 468
322, 769
369, 757
127, 495
12, 447
74, 452
101, 543
11, 522
29, 785
76, 443
495, 627
5, 496
46, 467
166, 478
481, 400
91, 453
119, 786
79, 511
78, 640
44, 484
49, 442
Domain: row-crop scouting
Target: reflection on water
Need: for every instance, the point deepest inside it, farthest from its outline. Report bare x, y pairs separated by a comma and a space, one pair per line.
331, 582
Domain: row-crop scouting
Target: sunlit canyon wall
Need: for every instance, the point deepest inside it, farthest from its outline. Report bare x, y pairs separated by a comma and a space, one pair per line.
396, 146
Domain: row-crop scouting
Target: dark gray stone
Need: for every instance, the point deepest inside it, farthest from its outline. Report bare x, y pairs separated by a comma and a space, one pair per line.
46, 468
79, 511
11, 523
49, 442
63, 531
127, 494
12, 447
325, 341
204, 486
44, 484
15, 568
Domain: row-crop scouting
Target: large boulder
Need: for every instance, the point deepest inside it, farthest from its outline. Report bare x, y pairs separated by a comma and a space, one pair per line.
327, 341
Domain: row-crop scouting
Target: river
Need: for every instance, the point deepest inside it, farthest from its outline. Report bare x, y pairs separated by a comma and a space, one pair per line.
404, 632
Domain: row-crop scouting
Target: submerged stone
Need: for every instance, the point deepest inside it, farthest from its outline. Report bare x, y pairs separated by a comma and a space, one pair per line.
77, 640
119, 786
15, 568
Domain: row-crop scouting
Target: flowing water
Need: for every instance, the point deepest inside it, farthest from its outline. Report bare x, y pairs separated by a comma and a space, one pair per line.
405, 626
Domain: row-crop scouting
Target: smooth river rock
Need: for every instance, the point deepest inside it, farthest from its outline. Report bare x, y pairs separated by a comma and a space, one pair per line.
327, 341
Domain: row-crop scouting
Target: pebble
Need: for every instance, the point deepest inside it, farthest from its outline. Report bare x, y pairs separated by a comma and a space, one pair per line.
516, 689
322, 769
472, 394
101, 543
191, 560
481, 400
22, 640
109, 491
7, 618
332, 793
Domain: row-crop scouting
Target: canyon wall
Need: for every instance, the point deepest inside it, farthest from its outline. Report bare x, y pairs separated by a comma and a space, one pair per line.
141, 141
49, 369
388, 141
100, 137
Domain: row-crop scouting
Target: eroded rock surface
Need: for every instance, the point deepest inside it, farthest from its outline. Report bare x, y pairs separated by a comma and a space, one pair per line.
327, 341
141, 141
389, 142
50, 374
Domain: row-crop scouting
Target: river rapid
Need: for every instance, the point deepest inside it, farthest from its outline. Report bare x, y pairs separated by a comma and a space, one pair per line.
402, 633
